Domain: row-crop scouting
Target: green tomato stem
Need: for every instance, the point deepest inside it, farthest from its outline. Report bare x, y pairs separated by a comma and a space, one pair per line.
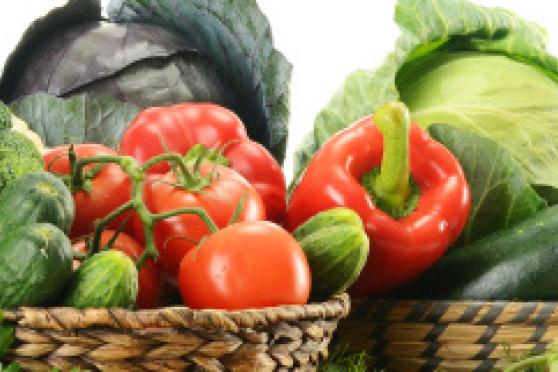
197, 211
150, 251
136, 173
392, 183
175, 159
102, 223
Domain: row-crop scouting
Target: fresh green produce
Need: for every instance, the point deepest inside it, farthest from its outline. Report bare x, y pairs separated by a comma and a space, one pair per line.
518, 263
107, 279
6, 337
36, 197
413, 207
8, 121
18, 157
481, 69
157, 53
35, 264
150, 284
5, 117
19, 154
336, 246
501, 195
547, 361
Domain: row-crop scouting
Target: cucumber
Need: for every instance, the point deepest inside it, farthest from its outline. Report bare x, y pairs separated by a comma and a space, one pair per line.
107, 279
519, 263
336, 246
36, 197
35, 265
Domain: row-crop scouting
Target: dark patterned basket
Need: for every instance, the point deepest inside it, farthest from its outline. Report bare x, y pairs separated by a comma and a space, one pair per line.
448, 335
175, 338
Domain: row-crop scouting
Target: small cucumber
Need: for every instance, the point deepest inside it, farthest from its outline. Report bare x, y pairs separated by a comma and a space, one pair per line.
336, 246
518, 263
36, 197
35, 265
107, 279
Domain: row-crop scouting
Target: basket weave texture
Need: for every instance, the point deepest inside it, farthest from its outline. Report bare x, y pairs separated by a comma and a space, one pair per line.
448, 335
176, 338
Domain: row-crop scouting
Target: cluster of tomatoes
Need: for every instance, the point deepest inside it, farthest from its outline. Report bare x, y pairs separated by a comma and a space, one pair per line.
251, 263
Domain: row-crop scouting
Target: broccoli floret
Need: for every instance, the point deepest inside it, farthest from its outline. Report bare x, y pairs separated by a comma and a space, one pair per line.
18, 156
5, 117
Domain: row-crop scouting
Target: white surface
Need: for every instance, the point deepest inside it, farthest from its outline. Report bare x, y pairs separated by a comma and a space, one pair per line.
323, 39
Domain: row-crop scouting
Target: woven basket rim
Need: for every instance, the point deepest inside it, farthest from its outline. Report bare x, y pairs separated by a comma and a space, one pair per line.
64, 318
449, 302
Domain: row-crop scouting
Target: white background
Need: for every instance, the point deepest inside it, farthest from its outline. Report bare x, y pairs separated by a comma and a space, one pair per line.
323, 39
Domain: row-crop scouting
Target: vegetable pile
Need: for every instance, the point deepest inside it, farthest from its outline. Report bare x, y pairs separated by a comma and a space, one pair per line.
150, 222
125, 187
151, 176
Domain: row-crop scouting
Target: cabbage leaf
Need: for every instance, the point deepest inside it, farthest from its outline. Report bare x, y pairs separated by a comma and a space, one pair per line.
481, 69
77, 119
494, 178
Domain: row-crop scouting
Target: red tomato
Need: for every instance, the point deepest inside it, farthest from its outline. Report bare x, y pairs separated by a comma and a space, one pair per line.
175, 236
110, 188
151, 291
246, 265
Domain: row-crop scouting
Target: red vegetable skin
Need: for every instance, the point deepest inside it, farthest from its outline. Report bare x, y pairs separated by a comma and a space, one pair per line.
110, 187
400, 249
178, 128
175, 236
151, 287
245, 265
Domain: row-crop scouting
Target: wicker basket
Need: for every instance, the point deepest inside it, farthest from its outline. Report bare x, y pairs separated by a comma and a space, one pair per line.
448, 336
175, 338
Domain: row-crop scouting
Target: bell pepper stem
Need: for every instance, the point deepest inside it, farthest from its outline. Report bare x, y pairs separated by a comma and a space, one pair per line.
392, 183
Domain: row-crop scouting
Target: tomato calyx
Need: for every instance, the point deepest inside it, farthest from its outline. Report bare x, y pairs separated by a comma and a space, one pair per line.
212, 154
186, 169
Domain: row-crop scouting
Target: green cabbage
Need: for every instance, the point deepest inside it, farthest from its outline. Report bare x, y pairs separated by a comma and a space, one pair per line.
480, 69
508, 101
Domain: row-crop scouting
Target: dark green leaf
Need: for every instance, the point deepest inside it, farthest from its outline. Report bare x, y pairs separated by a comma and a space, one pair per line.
6, 336
236, 37
14, 367
434, 32
501, 195
78, 119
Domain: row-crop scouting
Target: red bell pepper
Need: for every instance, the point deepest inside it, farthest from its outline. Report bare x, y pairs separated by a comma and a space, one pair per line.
180, 127
387, 162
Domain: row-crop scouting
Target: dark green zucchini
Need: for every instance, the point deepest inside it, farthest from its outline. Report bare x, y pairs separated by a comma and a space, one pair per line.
36, 197
519, 263
35, 265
